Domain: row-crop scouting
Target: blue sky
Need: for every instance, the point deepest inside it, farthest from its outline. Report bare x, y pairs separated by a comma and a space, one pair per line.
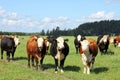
35, 15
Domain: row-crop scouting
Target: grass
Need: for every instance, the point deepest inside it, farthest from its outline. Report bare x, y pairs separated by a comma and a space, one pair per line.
107, 67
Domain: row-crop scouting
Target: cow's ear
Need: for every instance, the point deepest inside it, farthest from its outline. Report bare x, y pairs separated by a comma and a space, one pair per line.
54, 39
83, 38
66, 40
35, 38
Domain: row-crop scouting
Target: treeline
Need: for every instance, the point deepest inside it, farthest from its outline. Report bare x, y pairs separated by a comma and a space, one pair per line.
99, 28
111, 27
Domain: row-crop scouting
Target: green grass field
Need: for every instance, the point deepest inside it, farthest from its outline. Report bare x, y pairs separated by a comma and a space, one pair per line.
107, 67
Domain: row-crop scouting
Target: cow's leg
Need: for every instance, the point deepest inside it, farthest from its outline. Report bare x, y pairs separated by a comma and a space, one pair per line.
76, 49
92, 68
1, 54
12, 56
8, 56
28, 60
41, 64
32, 58
56, 65
36, 64
88, 68
84, 61
62, 64
85, 69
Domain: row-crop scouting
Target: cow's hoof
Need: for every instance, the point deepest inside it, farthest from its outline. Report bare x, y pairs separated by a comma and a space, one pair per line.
8, 60
41, 69
62, 71
28, 66
56, 72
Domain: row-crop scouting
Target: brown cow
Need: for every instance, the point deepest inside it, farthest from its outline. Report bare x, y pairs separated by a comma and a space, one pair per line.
117, 41
1, 36
36, 49
88, 51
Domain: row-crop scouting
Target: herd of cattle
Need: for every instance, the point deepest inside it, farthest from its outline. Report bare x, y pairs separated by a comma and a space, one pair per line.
37, 47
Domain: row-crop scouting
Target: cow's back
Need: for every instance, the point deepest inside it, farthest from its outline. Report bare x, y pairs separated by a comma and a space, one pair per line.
93, 47
99, 38
7, 43
32, 46
117, 38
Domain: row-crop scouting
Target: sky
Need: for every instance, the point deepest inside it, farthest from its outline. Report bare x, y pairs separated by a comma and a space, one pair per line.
38, 15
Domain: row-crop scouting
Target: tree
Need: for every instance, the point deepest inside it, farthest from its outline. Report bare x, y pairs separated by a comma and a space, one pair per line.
42, 33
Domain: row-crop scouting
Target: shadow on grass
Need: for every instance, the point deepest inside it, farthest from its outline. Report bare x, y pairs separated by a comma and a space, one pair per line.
66, 68
72, 68
48, 66
20, 58
100, 69
109, 52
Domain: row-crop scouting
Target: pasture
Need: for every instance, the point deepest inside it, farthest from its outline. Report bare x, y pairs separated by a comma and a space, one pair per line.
107, 67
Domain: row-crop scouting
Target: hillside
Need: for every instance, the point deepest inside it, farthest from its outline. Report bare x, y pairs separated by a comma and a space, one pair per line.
98, 28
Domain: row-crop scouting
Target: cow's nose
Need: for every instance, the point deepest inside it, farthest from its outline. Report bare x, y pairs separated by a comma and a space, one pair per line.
19, 43
40, 48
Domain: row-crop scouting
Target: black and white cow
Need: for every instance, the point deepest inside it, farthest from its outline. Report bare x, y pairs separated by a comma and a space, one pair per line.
59, 50
103, 43
9, 45
76, 42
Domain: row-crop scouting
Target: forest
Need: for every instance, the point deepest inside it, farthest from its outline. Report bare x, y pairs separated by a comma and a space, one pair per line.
110, 27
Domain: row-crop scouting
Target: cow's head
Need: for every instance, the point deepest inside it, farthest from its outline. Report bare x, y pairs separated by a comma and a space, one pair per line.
40, 42
105, 38
60, 43
80, 38
16, 40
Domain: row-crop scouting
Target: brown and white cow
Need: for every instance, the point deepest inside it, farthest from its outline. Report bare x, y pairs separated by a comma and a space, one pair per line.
116, 41
88, 51
36, 49
1, 36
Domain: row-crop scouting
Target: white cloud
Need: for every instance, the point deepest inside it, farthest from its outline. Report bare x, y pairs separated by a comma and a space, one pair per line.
101, 15
2, 12
46, 20
112, 1
54, 22
12, 21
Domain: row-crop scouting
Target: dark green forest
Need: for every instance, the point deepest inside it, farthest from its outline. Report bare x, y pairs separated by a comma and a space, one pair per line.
111, 27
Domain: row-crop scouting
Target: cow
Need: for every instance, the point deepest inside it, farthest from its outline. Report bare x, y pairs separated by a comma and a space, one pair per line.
76, 42
1, 36
46, 45
88, 51
59, 50
36, 49
103, 42
116, 41
9, 44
